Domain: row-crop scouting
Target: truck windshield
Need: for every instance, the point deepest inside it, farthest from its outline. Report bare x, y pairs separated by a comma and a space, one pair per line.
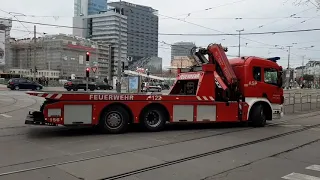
271, 76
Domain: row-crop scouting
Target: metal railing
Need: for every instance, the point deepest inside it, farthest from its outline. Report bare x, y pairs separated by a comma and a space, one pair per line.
300, 101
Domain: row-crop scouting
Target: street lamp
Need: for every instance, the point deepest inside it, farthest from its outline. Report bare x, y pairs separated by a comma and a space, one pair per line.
239, 40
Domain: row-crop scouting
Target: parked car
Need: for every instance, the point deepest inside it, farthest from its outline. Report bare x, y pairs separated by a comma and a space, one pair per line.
150, 87
103, 86
21, 83
76, 84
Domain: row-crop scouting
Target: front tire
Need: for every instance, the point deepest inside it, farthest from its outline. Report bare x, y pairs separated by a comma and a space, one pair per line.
153, 119
257, 116
114, 120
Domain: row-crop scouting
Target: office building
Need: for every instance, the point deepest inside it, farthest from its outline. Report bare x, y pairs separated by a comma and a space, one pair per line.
89, 7
104, 28
181, 49
142, 29
63, 53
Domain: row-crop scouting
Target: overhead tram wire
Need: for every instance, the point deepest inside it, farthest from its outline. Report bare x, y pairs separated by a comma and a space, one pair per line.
314, 17
193, 34
210, 8
16, 20
207, 9
292, 15
178, 20
225, 34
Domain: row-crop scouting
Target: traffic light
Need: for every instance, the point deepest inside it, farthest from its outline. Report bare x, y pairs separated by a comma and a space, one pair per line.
124, 67
87, 56
87, 72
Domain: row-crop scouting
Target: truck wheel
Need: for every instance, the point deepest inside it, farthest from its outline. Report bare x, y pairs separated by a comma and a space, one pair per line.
114, 120
257, 116
153, 119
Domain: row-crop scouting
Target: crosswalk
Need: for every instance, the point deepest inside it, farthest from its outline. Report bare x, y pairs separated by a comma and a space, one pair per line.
299, 176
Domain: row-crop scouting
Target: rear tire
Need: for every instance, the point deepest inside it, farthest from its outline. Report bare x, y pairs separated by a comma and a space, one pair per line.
153, 119
257, 116
114, 120
16, 88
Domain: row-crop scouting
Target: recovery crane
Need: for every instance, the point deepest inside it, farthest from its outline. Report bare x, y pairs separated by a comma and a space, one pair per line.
246, 89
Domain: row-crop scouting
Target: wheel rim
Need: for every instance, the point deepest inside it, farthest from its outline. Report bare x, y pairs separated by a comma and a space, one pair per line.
16, 88
262, 115
153, 119
113, 120
38, 88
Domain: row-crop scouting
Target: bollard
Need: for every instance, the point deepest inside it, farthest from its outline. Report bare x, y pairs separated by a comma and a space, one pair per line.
301, 102
294, 103
310, 102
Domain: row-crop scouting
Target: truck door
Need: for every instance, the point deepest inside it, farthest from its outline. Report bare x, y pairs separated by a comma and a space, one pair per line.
270, 85
253, 83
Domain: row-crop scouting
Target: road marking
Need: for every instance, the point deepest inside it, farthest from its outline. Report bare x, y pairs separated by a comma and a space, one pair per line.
298, 176
314, 167
5, 115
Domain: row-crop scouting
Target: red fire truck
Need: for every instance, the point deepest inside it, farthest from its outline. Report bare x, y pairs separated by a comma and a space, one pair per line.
246, 89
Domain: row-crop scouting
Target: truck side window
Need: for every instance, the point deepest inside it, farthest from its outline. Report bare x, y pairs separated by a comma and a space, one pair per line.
271, 76
257, 73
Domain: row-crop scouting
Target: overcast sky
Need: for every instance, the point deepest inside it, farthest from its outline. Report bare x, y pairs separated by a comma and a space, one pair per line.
272, 15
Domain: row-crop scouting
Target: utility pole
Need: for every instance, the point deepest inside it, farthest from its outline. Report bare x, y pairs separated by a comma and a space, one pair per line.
239, 40
118, 86
303, 65
288, 74
35, 52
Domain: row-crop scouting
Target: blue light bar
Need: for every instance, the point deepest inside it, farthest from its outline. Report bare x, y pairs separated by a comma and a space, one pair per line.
274, 59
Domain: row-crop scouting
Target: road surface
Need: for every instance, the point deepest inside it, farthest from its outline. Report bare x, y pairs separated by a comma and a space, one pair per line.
285, 149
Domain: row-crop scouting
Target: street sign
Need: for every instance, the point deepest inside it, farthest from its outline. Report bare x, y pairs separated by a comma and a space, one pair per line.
94, 69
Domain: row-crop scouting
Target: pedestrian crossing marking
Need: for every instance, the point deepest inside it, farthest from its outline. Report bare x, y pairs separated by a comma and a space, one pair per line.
314, 167
6, 115
298, 176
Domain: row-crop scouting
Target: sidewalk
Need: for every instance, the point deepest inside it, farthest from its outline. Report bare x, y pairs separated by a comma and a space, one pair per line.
3, 87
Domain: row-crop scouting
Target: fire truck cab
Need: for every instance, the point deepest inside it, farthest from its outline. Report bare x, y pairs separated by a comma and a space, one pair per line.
246, 89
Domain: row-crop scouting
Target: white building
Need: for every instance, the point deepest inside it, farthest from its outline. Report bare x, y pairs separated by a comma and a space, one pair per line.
5, 27
104, 27
41, 73
313, 68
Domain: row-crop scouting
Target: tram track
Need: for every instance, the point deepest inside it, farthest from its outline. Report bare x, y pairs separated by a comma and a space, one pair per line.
35, 101
209, 153
151, 147
15, 100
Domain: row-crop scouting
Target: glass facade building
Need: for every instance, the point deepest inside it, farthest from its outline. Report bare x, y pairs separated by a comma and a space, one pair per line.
89, 7
95, 6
